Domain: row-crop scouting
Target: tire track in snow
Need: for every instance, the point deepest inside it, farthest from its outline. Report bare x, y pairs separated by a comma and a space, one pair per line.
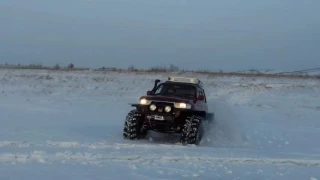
97, 145
97, 159
84, 157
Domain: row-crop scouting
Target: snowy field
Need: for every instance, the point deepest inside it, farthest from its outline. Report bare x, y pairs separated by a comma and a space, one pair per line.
68, 125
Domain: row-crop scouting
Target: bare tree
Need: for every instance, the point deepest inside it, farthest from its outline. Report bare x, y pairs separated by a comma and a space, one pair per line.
173, 68
70, 66
132, 68
57, 66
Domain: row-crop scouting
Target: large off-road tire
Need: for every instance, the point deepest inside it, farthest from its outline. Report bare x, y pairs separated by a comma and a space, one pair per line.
133, 126
192, 131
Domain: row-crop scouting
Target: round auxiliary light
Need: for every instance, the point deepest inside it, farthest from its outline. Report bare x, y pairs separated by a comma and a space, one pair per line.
167, 108
153, 107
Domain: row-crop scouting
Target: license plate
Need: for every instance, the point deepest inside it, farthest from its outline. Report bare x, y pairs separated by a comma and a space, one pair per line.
161, 118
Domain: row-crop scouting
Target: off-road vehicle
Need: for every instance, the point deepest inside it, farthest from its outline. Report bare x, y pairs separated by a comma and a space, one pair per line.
178, 105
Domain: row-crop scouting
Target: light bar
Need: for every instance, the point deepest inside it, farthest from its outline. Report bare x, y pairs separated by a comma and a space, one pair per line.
185, 80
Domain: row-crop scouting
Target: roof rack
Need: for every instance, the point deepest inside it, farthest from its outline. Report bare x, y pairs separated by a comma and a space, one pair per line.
186, 80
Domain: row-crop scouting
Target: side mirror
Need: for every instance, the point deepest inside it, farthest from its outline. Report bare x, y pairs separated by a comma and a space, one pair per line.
200, 98
149, 92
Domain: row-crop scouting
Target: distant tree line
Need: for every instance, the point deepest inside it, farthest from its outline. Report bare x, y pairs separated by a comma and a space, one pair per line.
38, 66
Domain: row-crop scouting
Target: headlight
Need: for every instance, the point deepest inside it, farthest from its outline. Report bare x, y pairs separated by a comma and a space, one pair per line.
167, 109
182, 106
153, 107
144, 102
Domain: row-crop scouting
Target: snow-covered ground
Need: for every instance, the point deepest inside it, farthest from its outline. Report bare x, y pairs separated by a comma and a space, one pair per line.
68, 125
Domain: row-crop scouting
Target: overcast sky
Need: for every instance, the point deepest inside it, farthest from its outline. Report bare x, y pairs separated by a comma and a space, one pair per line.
207, 34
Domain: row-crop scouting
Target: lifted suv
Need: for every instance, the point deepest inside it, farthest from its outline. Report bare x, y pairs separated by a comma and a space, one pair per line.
178, 105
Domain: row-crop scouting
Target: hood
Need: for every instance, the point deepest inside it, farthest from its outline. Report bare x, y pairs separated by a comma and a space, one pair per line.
166, 98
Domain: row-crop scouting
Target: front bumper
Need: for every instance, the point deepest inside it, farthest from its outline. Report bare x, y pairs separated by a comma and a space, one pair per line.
161, 122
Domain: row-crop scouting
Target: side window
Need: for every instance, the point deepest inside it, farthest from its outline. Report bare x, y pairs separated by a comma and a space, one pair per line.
198, 92
205, 98
201, 92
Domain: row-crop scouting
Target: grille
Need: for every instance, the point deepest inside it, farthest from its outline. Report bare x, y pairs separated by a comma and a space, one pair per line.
161, 106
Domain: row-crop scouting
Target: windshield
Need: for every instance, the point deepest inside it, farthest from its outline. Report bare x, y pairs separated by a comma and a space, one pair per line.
179, 90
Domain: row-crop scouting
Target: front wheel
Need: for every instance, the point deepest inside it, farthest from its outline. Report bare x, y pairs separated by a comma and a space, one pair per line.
133, 126
192, 131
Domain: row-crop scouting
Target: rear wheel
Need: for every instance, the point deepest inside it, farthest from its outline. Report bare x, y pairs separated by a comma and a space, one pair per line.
133, 126
192, 131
